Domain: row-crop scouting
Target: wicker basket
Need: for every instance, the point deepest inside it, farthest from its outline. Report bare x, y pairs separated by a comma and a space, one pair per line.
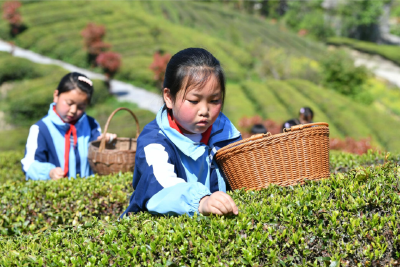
301, 152
114, 157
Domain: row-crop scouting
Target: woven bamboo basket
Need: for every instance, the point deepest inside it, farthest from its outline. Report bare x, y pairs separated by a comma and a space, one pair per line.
301, 152
117, 156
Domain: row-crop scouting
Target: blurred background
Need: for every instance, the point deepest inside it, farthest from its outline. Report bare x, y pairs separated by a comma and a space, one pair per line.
339, 58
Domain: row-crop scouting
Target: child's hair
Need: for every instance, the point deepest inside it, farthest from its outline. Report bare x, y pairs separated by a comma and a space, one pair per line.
258, 129
75, 80
290, 123
192, 66
307, 112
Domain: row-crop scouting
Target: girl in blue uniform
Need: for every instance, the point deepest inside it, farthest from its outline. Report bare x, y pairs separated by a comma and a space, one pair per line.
175, 170
58, 144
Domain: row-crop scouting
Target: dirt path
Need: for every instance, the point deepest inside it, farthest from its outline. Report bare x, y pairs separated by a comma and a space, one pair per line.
380, 66
123, 91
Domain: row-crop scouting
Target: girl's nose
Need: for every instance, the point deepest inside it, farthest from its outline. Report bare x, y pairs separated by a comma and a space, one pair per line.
203, 110
73, 109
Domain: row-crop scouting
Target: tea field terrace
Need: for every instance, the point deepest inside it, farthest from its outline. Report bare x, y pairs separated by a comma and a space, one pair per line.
351, 219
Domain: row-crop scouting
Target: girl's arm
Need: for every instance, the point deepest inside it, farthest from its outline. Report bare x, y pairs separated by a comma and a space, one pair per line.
96, 131
158, 189
35, 164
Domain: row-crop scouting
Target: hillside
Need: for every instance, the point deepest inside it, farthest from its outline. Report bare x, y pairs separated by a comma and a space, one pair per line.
137, 29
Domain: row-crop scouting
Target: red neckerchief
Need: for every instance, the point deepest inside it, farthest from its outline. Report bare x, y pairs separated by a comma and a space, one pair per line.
71, 130
205, 136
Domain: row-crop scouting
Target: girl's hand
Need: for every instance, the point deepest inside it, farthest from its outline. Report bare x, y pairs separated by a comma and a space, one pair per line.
218, 203
109, 137
56, 173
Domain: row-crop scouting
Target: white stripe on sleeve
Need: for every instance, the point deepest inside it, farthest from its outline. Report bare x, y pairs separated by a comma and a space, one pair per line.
31, 146
157, 157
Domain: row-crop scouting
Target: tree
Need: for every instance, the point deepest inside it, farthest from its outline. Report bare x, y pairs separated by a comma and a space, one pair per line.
159, 65
110, 62
14, 18
93, 40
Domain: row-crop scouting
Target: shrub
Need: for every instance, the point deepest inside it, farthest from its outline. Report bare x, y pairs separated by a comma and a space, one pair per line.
158, 66
12, 69
93, 39
110, 62
33, 206
13, 16
10, 166
350, 145
349, 219
340, 74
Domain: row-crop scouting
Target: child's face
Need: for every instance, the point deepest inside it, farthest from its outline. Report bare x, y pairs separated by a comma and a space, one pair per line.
198, 109
70, 105
305, 119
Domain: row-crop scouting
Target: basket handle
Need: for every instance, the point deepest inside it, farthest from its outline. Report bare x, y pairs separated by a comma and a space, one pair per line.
303, 126
103, 140
251, 138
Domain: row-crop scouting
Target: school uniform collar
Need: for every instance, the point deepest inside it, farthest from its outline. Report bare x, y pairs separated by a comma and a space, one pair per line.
221, 130
56, 120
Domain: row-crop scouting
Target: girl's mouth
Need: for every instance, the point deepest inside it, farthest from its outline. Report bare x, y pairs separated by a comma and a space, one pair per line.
202, 123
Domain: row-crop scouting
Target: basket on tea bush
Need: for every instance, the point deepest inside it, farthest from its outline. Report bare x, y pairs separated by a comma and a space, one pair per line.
301, 152
117, 156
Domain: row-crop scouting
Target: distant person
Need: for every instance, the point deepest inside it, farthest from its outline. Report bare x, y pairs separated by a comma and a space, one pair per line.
258, 129
306, 115
290, 123
175, 172
58, 144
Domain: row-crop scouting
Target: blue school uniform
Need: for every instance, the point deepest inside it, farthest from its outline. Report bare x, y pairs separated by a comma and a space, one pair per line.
172, 172
45, 147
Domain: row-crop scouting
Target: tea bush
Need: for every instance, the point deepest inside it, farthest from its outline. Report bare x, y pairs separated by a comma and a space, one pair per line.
12, 69
33, 206
10, 166
350, 219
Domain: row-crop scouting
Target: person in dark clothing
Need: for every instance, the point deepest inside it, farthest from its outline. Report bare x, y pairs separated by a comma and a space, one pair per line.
258, 129
306, 115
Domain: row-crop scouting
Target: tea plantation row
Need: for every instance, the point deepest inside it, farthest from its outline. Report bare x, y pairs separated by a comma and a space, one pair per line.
352, 218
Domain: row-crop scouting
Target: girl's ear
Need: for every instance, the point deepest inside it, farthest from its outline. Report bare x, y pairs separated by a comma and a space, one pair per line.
55, 96
168, 98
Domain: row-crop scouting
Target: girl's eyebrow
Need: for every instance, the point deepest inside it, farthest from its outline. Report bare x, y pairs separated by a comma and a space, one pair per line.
200, 95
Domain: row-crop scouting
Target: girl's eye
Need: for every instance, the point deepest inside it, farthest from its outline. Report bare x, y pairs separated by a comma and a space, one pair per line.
193, 102
216, 101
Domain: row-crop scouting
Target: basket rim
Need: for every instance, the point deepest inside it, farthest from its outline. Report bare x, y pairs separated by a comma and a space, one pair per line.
118, 138
96, 149
263, 139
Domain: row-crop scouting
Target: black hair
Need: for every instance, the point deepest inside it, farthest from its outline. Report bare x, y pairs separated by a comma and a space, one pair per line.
307, 112
290, 123
192, 66
258, 129
72, 81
